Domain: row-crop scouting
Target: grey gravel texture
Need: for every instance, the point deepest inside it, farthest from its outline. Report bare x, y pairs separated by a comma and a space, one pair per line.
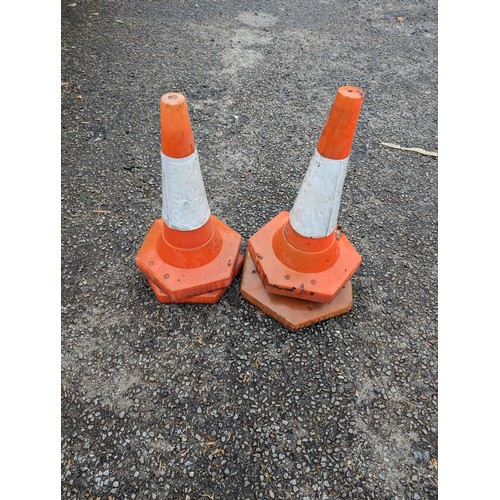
220, 401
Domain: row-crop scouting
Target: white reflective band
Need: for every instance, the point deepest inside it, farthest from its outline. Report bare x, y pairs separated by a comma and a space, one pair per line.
316, 208
184, 201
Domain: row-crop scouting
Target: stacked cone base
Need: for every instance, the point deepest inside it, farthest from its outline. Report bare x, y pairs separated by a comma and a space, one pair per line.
321, 275
211, 297
292, 313
178, 272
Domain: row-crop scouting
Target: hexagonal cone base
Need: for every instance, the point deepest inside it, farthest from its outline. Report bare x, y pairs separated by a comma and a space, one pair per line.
180, 283
204, 298
292, 313
279, 279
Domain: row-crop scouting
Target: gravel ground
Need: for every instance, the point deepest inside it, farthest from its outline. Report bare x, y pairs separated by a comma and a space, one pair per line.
220, 401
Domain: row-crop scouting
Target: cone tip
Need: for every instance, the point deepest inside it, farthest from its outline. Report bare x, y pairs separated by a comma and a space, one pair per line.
338, 133
351, 92
173, 99
177, 140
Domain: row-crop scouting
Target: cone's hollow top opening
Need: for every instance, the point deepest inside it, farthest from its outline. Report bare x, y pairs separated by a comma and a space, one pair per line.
351, 92
173, 98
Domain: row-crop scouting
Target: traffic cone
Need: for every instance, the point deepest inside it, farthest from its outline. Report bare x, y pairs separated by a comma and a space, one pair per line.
302, 254
188, 255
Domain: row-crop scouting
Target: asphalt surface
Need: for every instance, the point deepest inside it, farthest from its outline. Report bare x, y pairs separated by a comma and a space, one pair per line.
220, 401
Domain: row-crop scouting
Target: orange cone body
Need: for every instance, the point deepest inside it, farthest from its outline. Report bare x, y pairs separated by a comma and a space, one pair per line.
188, 251
302, 254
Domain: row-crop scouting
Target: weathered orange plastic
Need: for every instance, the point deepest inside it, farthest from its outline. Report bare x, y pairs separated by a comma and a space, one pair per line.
293, 272
336, 139
204, 298
185, 272
292, 313
184, 264
314, 269
177, 140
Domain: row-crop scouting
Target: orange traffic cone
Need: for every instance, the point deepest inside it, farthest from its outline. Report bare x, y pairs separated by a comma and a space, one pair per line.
188, 255
302, 256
